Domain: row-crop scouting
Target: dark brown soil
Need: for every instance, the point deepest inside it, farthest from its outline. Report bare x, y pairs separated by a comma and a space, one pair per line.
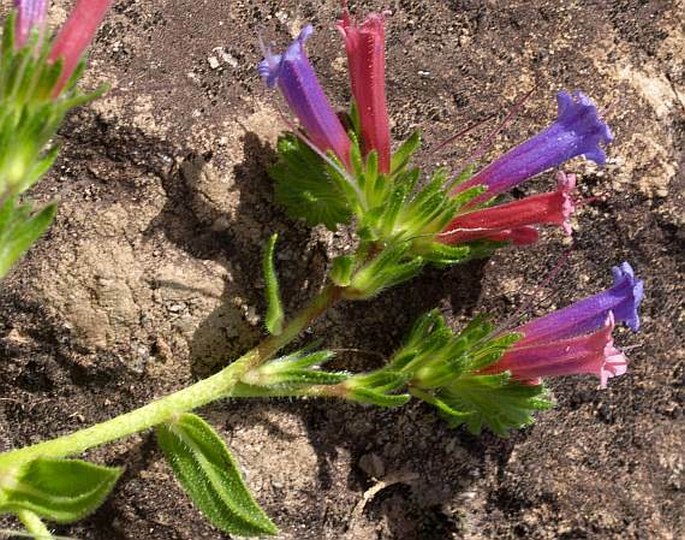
147, 279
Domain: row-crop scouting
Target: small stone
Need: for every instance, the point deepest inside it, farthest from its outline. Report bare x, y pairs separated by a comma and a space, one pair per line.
213, 62
372, 465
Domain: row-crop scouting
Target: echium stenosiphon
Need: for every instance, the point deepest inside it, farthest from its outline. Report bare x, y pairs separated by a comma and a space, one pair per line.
38, 77
334, 169
338, 167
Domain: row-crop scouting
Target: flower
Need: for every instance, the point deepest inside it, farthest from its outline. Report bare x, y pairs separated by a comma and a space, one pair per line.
578, 129
577, 339
592, 353
30, 15
75, 36
365, 45
623, 299
514, 221
296, 79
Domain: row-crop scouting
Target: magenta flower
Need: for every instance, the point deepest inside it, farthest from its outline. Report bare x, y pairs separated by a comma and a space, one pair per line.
578, 129
30, 15
514, 221
592, 353
295, 77
365, 45
75, 36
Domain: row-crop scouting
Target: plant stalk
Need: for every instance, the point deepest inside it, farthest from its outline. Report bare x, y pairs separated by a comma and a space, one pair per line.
162, 410
34, 525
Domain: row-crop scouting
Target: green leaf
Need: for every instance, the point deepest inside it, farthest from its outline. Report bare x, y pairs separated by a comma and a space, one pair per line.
210, 475
307, 186
274, 308
60, 490
497, 402
19, 230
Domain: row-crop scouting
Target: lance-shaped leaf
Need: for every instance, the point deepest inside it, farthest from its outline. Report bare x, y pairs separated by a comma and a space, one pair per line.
274, 309
60, 490
210, 475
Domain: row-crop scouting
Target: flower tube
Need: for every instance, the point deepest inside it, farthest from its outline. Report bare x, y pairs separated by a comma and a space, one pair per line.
295, 77
365, 45
592, 353
515, 221
75, 36
578, 130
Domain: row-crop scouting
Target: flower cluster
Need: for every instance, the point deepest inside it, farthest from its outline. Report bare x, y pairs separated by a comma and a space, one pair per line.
578, 130
37, 90
448, 220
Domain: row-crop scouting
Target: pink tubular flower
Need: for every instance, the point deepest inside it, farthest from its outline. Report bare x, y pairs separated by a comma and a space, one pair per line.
365, 45
30, 15
75, 36
590, 353
515, 221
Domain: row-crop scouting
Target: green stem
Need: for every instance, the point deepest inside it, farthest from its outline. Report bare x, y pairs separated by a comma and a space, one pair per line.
34, 525
201, 393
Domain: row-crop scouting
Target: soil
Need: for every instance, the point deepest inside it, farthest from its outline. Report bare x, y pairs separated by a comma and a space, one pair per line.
148, 280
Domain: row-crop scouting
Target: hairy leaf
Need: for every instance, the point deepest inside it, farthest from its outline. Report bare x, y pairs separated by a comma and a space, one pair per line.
210, 475
307, 187
61, 490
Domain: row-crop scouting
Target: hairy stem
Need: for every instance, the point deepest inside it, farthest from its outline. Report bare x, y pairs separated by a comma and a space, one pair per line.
34, 525
162, 410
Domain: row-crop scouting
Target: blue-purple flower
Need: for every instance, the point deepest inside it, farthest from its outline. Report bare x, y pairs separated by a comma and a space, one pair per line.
623, 299
578, 130
296, 79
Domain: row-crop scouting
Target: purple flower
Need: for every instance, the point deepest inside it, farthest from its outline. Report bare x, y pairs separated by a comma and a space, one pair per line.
577, 130
296, 79
622, 299
589, 353
30, 15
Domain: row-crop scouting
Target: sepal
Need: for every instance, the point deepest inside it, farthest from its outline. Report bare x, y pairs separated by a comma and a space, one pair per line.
389, 268
403, 155
289, 375
377, 388
342, 270
20, 227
